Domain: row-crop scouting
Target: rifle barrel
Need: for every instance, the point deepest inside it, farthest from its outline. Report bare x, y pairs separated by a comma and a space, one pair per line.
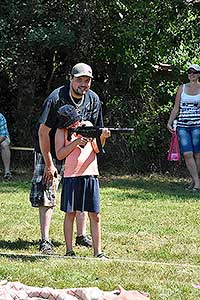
93, 129
121, 130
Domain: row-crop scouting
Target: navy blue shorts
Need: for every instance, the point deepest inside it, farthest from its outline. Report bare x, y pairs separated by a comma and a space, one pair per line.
80, 193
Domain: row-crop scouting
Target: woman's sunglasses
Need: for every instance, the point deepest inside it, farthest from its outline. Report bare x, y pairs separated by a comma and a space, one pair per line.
192, 72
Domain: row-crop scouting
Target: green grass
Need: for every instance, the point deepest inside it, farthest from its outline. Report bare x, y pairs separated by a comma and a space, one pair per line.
150, 229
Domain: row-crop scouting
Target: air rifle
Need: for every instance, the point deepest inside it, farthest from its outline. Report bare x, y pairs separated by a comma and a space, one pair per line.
95, 132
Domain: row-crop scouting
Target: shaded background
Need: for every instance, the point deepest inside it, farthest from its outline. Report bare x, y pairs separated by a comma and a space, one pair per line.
139, 51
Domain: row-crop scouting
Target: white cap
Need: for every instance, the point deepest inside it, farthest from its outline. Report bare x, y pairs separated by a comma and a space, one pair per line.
81, 69
195, 67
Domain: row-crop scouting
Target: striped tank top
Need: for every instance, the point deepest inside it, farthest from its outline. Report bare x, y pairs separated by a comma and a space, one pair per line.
189, 113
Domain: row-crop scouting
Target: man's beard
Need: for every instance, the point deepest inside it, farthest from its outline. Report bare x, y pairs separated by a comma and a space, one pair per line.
79, 92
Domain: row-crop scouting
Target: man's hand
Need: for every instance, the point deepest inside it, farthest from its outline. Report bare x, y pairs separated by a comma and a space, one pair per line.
50, 173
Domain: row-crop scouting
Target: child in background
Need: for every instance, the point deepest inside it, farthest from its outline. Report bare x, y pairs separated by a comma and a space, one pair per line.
80, 189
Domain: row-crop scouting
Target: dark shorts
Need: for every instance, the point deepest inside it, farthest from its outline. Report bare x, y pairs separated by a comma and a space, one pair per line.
43, 194
80, 193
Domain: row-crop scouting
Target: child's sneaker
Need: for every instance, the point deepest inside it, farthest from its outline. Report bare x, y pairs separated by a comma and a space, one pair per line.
70, 253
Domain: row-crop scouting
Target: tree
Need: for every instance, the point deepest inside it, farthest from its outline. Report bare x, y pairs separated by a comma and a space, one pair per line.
124, 41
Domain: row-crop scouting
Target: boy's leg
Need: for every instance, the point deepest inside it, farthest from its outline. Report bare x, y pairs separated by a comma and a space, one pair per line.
95, 228
68, 229
81, 223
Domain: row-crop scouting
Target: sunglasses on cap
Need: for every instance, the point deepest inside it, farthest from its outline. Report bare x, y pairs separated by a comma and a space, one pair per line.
191, 71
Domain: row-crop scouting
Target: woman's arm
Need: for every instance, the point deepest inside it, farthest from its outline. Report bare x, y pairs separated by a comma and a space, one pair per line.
175, 109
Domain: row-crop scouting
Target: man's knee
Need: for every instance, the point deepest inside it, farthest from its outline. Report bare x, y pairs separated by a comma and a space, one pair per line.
5, 146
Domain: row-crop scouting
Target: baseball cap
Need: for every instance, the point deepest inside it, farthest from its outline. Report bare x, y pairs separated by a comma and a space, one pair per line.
81, 69
195, 67
67, 115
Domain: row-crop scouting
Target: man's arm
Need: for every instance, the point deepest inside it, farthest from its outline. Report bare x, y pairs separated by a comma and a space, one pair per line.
44, 141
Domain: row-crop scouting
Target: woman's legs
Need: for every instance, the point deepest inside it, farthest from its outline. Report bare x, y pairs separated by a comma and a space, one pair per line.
68, 229
189, 139
192, 167
196, 146
95, 228
197, 160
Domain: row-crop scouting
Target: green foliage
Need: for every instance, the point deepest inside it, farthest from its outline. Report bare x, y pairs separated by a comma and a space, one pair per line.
123, 41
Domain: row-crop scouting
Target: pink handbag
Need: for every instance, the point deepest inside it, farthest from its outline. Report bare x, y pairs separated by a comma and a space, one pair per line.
174, 150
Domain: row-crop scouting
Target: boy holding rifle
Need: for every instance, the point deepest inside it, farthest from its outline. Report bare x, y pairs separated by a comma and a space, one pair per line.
80, 190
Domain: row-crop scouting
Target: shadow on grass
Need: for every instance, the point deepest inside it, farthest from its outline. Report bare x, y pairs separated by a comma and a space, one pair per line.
25, 257
20, 244
23, 245
162, 185
152, 184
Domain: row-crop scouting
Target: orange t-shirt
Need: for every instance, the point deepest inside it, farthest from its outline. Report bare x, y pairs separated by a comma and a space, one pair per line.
81, 161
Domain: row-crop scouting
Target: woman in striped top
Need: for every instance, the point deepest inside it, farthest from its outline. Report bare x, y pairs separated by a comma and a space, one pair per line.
187, 108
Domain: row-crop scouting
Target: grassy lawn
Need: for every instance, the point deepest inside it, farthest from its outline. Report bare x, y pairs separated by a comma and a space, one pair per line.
150, 230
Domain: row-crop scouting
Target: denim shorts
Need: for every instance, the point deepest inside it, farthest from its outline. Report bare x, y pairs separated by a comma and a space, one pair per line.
189, 139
